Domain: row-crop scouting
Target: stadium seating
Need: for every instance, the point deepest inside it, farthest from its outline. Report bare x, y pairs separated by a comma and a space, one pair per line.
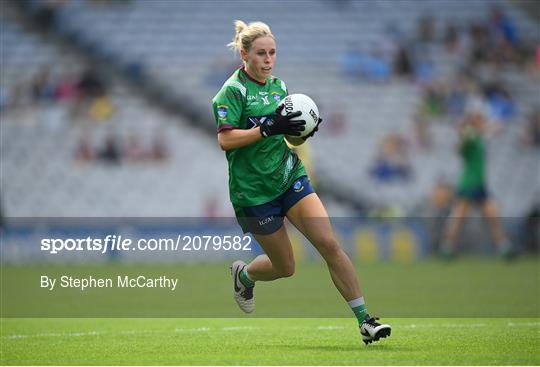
40, 176
179, 43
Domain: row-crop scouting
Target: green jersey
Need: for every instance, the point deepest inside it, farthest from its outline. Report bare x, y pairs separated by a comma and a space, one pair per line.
261, 171
474, 161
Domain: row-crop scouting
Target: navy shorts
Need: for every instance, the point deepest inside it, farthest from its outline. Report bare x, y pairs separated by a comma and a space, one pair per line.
477, 195
268, 218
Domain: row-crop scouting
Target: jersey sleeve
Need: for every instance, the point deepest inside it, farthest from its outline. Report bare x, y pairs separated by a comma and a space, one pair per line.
282, 85
228, 105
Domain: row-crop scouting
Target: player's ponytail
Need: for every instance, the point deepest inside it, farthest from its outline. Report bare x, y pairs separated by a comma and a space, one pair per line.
239, 26
246, 34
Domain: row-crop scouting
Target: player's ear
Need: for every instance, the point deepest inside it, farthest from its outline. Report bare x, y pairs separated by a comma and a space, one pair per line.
243, 55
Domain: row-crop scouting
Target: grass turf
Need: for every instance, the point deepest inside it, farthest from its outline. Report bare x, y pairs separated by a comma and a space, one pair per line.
464, 288
325, 341
466, 312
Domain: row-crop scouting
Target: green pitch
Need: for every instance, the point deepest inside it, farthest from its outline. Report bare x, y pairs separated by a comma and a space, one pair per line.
267, 342
470, 311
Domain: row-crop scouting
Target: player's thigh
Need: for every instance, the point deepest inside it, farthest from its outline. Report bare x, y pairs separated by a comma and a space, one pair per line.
310, 217
277, 246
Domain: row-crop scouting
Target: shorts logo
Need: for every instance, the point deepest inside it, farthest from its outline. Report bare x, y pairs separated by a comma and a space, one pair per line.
276, 96
222, 111
267, 220
298, 186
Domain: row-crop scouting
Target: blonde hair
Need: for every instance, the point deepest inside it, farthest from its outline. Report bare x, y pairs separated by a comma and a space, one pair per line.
246, 34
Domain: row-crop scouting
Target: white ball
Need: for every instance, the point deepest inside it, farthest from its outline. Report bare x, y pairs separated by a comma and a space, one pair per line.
304, 104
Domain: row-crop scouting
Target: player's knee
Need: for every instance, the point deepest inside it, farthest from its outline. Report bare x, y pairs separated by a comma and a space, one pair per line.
329, 247
490, 210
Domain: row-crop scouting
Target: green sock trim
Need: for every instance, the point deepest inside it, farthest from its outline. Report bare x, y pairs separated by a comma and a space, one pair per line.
360, 312
245, 280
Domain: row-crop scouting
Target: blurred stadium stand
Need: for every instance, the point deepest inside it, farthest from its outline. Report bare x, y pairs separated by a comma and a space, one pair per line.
178, 49
41, 176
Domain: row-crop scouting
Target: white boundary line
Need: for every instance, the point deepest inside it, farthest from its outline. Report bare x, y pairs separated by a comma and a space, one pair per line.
535, 324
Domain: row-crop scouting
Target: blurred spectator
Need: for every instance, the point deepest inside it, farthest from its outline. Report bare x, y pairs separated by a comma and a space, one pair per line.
424, 67
502, 28
480, 48
92, 100
456, 96
500, 103
111, 151
450, 98
135, 151
336, 123
159, 151
402, 62
90, 84
392, 161
101, 108
493, 41
458, 46
375, 67
42, 88
531, 132
46, 12
66, 89
421, 132
433, 100
84, 151
352, 60
451, 38
426, 29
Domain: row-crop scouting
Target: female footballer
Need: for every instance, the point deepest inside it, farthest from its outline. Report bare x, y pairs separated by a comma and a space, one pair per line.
267, 180
472, 191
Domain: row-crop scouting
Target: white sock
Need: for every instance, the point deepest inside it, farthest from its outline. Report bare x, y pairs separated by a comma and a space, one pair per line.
356, 302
